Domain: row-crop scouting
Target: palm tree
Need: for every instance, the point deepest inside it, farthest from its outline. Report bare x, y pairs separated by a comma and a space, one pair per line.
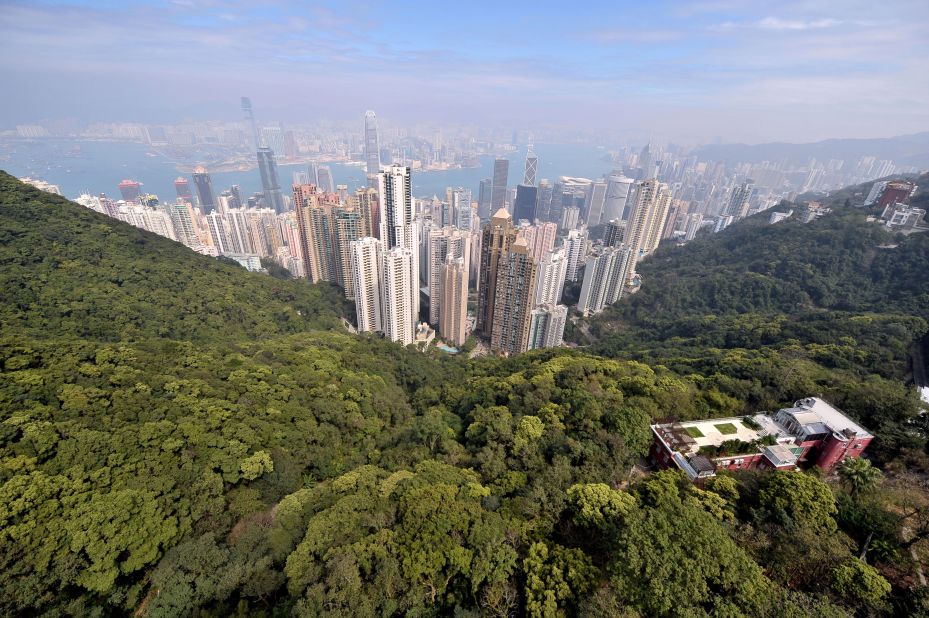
859, 475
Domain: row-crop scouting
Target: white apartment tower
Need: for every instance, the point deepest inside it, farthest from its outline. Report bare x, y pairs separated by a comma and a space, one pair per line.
647, 217
399, 228
550, 283
398, 292
575, 246
604, 278
367, 263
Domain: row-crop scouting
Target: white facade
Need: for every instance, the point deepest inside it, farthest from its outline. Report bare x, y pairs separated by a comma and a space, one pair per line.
399, 227
546, 326
604, 278
398, 292
552, 272
575, 246
367, 262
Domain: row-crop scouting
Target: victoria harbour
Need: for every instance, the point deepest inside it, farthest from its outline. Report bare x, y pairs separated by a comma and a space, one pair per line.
94, 167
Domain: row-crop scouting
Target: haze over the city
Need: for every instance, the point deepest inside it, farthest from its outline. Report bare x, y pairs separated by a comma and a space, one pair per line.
687, 71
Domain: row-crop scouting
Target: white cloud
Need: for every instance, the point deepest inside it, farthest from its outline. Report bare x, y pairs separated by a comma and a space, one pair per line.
776, 23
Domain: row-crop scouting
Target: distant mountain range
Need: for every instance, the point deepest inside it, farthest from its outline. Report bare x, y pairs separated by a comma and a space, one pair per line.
903, 150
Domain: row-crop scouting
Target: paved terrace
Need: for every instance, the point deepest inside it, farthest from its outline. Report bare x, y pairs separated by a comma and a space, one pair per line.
689, 436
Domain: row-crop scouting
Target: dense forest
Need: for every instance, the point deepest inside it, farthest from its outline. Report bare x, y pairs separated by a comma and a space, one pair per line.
179, 437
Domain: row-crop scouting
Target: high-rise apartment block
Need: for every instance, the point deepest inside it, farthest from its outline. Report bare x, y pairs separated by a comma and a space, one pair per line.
647, 218
540, 238
551, 277
444, 244
496, 239
367, 264
399, 287
546, 326
400, 227
575, 249
513, 300
453, 317
604, 278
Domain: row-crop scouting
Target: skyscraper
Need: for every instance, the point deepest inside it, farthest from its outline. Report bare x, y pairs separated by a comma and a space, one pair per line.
400, 227
604, 277
204, 189
544, 200
617, 193
532, 166
218, 233
372, 146
444, 244
453, 320
364, 201
305, 200
324, 179
575, 250
614, 233
525, 205
182, 187
540, 238
739, 200
267, 167
250, 118
130, 190
596, 199
484, 199
459, 200
498, 192
183, 222
550, 281
646, 220
513, 300
546, 326
399, 289
496, 239
367, 264
647, 163
347, 227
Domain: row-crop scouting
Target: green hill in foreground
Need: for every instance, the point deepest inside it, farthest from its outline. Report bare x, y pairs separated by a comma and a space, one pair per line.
163, 468
66, 270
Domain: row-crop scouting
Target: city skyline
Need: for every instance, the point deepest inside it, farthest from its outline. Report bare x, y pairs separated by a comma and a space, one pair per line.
688, 71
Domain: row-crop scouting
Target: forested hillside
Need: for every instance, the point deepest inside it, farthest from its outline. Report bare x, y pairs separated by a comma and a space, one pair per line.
68, 271
768, 312
224, 452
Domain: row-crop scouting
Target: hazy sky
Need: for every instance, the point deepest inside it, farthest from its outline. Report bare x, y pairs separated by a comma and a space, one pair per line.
739, 70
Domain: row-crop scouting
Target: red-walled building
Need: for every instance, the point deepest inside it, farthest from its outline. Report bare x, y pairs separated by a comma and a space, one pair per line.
811, 432
897, 191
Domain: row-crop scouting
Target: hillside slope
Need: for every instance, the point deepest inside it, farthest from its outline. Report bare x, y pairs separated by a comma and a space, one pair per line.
767, 312
68, 271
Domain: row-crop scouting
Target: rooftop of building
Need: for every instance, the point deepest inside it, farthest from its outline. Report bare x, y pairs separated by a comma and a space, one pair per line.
691, 436
816, 416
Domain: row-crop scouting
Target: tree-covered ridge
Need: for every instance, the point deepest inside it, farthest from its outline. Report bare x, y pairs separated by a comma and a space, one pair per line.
766, 313
69, 271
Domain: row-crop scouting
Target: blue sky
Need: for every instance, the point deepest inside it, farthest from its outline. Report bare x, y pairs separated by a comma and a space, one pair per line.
690, 71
